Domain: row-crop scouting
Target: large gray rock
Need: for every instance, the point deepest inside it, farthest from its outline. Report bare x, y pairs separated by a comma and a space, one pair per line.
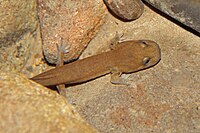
185, 11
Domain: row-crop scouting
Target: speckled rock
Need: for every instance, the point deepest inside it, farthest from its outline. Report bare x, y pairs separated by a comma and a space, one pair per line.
28, 107
76, 22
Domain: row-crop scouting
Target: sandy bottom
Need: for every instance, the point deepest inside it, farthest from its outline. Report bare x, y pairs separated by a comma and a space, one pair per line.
164, 98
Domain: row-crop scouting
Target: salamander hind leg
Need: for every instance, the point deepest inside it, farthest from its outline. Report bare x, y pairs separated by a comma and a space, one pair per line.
62, 49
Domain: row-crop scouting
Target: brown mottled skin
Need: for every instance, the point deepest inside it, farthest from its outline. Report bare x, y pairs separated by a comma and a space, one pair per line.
125, 57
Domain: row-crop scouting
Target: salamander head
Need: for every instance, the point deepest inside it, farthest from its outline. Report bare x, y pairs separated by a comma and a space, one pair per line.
144, 54
151, 53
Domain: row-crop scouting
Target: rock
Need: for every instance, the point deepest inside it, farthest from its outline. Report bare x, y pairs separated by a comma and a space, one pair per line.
19, 20
74, 21
28, 107
126, 10
184, 11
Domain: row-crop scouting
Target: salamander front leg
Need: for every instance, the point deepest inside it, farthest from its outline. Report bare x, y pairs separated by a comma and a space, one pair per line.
116, 77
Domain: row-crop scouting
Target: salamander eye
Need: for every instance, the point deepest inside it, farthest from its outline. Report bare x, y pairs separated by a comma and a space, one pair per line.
144, 44
146, 61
